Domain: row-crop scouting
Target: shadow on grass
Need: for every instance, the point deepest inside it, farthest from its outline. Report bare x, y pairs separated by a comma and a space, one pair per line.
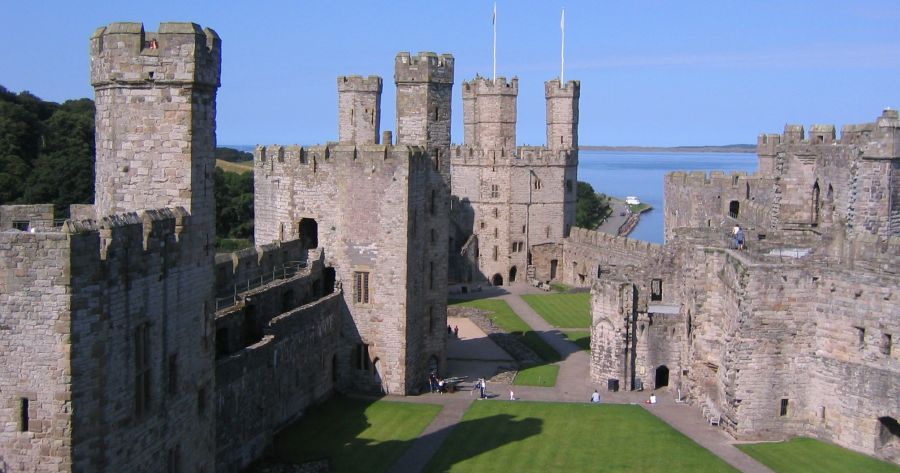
352, 437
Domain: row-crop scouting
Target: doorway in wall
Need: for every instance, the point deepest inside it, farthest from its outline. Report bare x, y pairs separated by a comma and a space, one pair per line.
662, 376
497, 280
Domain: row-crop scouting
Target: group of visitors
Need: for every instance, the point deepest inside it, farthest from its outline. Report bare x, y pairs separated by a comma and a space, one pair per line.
453, 331
437, 384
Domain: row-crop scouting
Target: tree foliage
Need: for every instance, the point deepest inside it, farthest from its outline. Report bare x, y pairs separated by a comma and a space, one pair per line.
234, 204
592, 207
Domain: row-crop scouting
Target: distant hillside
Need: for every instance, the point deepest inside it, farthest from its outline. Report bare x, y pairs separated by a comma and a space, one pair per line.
740, 148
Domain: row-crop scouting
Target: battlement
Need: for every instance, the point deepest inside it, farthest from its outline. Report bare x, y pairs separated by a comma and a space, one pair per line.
355, 83
423, 67
712, 179
484, 86
148, 231
314, 158
467, 155
880, 138
571, 89
179, 53
604, 240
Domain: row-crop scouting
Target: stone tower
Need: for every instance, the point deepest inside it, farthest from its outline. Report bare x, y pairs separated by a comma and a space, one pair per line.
424, 92
562, 113
489, 113
156, 113
359, 109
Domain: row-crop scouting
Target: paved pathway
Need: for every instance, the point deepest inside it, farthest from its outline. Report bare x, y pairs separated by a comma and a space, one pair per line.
572, 385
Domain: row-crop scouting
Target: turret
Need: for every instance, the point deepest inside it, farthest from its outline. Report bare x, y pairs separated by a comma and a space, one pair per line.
359, 109
490, 112
424, 91
156, 118
562, 113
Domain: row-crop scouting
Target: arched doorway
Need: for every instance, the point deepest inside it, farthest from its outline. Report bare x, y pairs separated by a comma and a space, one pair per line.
512, 274
497, 280
662, 376
888, 440
309, 233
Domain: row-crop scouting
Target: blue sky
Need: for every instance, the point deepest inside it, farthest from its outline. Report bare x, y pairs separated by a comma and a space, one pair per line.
658, 73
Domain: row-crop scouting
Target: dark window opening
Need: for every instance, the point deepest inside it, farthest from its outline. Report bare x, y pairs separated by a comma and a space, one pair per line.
329, 280
662, 376
221, 343
860, 337
252, 326
497, 280
430, 275
433, 238
173, 374
495, 191
512, 274
886, 344
656, 290
362, 356
599, 271
433, 202
553, 265
495, 253
815, 204
22, 225
734, 208
309, 233
23, 415
888, 431
141, 369
784, 408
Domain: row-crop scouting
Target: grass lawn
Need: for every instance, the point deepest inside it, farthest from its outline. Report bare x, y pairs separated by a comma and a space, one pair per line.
502, 436
804, 454
543, 375
582, 339
239, 167
357, 435
505, 318
562, 310
559, 287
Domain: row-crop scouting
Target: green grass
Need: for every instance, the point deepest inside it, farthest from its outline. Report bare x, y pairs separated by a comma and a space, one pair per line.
503, 436
505, 318
805, 454
636, 209
239, 167
582, 339
560, 287
227, 245
562, 310
357, 435
543, 375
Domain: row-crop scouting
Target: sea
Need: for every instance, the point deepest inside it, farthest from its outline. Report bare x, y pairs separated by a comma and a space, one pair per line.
625, 173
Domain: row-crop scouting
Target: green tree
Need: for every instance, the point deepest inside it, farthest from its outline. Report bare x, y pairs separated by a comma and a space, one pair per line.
234, 204
592, 207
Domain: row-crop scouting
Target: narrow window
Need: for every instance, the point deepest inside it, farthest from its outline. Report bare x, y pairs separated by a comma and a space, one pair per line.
656, 290
141, 369
496, 232
173, 375
860, 337
432, 236
361, 287
362, 356
523, 228
431, 275
495, 191
495, 252
201, 401
481, 224
548, 232
496, 212
23, 414
784, 408
22, 225
432, 204
886, 344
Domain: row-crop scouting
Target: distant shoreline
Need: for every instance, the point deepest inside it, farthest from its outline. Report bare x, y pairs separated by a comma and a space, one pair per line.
675, 149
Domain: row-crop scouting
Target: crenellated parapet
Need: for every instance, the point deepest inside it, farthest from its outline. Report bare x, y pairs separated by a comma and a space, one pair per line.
466, 155
608, 241
357, 83
484, 86
136, 236
423, 67
312, 159
179, 53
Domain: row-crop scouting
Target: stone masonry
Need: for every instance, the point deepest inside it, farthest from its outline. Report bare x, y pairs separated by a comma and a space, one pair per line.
794, 335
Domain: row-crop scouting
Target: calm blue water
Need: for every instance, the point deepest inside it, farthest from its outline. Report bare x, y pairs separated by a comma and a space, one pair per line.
620, 174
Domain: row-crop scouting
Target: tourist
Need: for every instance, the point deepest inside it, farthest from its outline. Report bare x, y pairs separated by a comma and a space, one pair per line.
595, 398
432, 380
482, 385
734, 234
456, 331
441, 386
512, 396
739, 238
653, 399
449, 330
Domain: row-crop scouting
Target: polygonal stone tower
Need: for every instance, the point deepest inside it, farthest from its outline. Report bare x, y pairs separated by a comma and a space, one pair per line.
424, 92
562, 113
359, 109
156, 112
489, 112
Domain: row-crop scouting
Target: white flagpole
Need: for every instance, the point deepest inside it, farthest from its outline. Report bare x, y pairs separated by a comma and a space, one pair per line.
562, 53
494, 24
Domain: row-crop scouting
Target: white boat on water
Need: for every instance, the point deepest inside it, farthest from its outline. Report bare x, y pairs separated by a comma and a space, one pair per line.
632, 200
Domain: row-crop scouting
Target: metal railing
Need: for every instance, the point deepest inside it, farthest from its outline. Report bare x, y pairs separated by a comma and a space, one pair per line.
286, 271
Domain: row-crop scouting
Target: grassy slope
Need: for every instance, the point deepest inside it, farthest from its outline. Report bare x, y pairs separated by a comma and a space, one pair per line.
503, 436
802, 455
562, 310
240, 167
357, 435
542, 375
503, 315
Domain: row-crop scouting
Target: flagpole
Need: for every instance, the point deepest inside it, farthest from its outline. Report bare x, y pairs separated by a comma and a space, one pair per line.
562, 52
494, 24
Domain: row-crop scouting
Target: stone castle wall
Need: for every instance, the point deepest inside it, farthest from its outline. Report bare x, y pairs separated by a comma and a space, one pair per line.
38, 216
369, 235
359, 109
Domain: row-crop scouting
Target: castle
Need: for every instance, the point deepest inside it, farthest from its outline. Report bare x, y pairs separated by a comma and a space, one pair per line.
792, 335
129, 345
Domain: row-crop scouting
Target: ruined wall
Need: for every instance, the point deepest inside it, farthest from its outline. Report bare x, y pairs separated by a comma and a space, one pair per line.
265, 386
363, 200
38, 216
35, 340
587, 253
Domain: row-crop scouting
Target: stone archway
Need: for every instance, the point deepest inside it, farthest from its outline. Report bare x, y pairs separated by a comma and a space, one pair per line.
662, 376
497, 280
512, 274
887, 444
